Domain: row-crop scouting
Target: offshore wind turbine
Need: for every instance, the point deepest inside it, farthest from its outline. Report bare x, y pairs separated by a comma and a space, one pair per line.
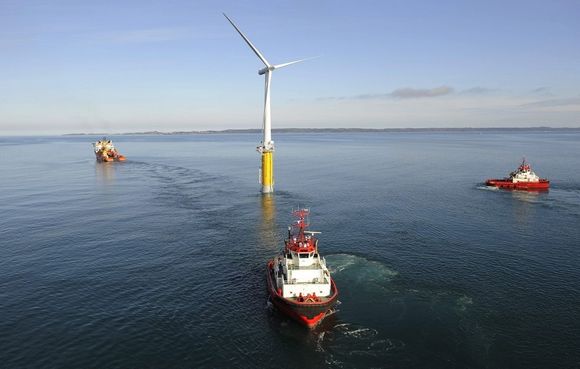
266, 149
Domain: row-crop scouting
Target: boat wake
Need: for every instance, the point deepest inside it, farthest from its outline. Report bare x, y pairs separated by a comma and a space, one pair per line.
385, 314
487, 188
348, 343
464, 302
359, 270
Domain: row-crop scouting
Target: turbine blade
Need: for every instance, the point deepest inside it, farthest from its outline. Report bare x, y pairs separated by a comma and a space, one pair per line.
293, 62
248, 42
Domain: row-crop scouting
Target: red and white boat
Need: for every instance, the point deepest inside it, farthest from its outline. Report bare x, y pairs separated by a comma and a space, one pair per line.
521, 179
299, 282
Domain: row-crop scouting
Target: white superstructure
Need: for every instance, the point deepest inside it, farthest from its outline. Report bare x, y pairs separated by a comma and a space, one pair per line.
524, 174
103, 145
302, 274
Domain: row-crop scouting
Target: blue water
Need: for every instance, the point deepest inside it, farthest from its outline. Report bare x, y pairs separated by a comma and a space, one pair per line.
159, 262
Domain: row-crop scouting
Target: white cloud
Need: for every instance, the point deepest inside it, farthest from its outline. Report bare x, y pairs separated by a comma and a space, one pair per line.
478, 91
553, 103
399, 93
409, 93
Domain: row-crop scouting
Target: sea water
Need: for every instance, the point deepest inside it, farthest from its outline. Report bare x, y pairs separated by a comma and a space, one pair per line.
159, 262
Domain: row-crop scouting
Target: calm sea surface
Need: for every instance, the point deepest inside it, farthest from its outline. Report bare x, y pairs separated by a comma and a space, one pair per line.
159, 262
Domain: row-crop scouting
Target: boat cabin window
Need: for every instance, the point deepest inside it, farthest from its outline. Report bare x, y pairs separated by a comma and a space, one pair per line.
303, 255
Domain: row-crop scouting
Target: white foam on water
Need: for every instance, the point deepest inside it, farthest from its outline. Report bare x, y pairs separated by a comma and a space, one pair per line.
463, 302
340, 325
359, 269
331, 312
348, 340
319, 340
488, 188
343, 262
362, 333
332, 362
388, 344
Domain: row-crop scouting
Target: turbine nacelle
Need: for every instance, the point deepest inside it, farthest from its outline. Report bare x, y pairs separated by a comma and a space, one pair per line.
267, 69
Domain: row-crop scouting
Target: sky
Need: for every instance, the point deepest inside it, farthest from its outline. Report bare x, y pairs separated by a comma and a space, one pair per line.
178, 65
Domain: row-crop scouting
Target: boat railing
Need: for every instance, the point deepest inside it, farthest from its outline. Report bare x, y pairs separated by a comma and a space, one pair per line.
325, 280
304, 267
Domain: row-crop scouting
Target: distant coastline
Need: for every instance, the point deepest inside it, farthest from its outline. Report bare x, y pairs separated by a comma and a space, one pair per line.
340, 130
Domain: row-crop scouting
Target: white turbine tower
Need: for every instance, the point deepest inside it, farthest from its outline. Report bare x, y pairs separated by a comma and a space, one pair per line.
267, 146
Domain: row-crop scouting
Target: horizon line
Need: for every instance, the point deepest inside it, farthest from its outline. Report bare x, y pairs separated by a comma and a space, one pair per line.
328, 130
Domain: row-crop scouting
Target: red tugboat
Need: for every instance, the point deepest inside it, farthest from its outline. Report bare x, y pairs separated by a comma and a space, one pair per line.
299, 282
521, 179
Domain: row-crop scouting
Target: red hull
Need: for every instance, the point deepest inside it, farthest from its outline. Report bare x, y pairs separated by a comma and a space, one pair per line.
100, 159
308, 314
542, 185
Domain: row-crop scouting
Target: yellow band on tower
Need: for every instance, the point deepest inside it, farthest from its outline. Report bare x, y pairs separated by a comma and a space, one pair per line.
267, 168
